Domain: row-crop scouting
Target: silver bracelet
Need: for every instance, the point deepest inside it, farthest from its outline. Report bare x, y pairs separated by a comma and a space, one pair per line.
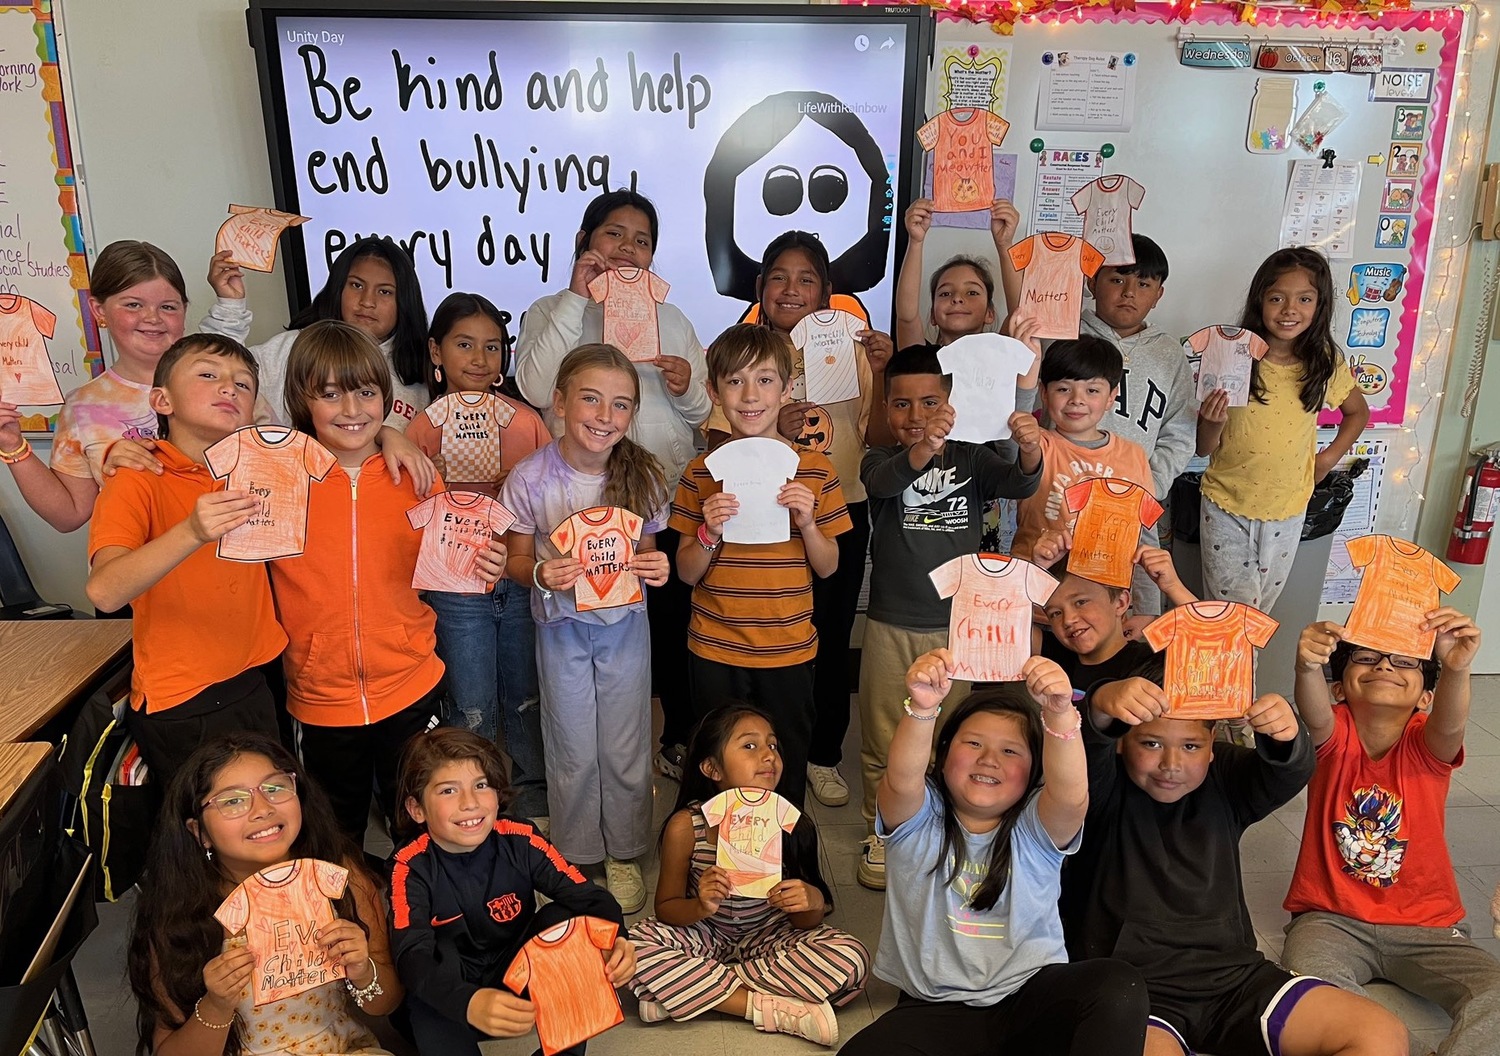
368, 993
921, 716
536, 583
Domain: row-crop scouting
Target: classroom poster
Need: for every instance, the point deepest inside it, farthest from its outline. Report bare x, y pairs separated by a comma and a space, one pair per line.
1086, 91
1320, 207
971, 75
41, 236
1341, 580
1060, 174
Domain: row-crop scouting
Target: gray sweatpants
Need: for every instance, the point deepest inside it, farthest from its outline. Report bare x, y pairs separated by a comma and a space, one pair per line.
1244, 560
1440, 964
596, 732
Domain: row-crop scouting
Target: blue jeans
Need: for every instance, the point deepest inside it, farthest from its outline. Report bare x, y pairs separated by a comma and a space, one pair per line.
488, 642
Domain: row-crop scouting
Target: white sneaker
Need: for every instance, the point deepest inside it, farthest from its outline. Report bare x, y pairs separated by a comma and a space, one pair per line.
668, 761
871, 872
785, 1015
828, 785
623, 878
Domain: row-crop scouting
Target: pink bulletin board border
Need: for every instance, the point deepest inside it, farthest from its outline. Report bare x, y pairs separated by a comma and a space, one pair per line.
1449, 22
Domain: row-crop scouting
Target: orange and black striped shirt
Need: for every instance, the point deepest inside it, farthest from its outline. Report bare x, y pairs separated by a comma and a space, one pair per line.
753, 607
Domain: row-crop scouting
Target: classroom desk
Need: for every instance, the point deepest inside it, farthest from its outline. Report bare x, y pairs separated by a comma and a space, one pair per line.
17, 763
48, 664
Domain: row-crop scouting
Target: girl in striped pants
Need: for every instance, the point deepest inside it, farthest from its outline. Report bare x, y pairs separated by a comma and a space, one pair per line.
769, 960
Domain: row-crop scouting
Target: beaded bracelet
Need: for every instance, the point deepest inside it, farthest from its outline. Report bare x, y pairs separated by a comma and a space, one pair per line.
921, 716
1071, 734
206, 1023
20, 454
704, 541
366, 993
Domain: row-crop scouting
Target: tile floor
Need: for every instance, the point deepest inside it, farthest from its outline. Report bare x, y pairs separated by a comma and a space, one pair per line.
1268, 850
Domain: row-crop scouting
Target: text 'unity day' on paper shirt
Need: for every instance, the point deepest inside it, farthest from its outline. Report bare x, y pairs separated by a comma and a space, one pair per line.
754, 469
455, 527
989, 628
275, 466
984, 369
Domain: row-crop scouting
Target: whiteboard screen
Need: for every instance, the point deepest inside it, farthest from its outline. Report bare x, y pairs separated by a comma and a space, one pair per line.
476, 134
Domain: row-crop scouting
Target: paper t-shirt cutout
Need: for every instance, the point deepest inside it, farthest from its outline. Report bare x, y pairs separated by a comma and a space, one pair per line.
827, 342
26, 375
602, 540
1210, 657
279, 909
962, 144
1227, 355
750, 823
984, 369
989, 628
455, 526
277, 466
471, 424
1400, 586
1106, 206
754, 469
1107, 533
561, 970
630, 297
1052, 287
252, 233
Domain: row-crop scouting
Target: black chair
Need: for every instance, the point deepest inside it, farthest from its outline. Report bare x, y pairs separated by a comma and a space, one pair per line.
18, 597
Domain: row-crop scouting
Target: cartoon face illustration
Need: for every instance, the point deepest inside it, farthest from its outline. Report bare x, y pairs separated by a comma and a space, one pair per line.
1366, 837
817, 429
797, 161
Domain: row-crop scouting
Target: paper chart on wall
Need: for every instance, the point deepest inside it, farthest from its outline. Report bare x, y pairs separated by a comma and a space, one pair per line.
1061, 174
1341, 581
984, 369
754, 469
1320, 207
1086, 91
972, 75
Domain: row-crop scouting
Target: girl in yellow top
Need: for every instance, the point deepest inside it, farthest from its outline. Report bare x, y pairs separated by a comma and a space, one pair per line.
1265, 458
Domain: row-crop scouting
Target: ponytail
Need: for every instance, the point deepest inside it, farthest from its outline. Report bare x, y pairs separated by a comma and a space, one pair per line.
635, 480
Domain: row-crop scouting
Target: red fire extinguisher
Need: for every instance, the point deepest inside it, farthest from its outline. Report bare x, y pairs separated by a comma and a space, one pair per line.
1477, 506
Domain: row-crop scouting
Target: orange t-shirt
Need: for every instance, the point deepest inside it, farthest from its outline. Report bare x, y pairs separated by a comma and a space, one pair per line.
1400, 587
26, 375
989, 629
750, 823
1106, 535
562, 972
279, 909
630, 297
455, 526
962, 143
277, 471
603, 541
1210, 658
1055, 266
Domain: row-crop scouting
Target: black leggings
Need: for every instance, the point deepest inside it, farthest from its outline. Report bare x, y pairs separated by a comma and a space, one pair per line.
1087, 1008
835, 600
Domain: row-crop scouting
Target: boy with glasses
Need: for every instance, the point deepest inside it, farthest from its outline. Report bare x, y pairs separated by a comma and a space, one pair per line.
1374, 894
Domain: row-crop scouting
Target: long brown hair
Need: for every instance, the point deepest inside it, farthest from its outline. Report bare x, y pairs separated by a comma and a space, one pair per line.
634, 478
1314, 348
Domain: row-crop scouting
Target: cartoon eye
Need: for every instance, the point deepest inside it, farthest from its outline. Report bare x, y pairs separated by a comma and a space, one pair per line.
782, 190
827, 188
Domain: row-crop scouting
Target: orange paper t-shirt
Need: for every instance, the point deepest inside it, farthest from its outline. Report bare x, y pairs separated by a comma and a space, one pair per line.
750, 823
26, 375
455, 525
962, 143
1107, 532
279, 909
1400, 586
603, 541
630, 297
1210, 657
278, 471
562, 972
1052, 287
470, 446
989, 628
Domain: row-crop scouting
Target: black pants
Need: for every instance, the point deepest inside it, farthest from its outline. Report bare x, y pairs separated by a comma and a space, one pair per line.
1087, 1008
784, 693
242, 704
668, 607
348, 760
834, 601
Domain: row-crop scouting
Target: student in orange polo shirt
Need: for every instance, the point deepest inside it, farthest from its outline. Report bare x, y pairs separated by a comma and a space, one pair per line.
363, 676
150, 548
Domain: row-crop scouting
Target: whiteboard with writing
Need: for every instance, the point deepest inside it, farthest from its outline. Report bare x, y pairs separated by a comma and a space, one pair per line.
41, 240
476, 134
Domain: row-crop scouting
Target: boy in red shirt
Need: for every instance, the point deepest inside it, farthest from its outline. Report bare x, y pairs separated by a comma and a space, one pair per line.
1374, 893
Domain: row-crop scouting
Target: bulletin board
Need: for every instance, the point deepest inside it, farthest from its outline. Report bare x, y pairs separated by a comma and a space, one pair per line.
1182, 131
41, 234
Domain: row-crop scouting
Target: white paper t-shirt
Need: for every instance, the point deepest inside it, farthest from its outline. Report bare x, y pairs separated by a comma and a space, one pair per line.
754, 469
984, 369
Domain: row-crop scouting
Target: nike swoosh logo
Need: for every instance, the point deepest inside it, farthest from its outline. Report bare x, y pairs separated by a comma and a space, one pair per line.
439, 923
914, 496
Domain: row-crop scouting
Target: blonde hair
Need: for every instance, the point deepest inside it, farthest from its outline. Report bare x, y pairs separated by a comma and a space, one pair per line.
121, 265
744, 345
331, 349
634, 478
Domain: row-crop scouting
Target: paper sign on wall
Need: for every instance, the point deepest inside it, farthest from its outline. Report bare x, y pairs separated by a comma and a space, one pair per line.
1210, 657
252, 233
1319, 210
279, 911
989, 626
1060, 174
602, 539
455, 526
984, 369
1086, 91
1401, 585
754, 469
275, 466
630, 297
1111, 513
27, 378
751, 822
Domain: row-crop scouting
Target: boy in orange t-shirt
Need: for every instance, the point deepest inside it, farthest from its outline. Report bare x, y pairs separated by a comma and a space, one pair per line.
202, 626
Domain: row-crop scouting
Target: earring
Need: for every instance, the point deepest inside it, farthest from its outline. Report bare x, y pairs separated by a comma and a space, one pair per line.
208, 852
437, 373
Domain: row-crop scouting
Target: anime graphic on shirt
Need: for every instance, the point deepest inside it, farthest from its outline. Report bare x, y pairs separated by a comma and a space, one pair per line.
1366, 837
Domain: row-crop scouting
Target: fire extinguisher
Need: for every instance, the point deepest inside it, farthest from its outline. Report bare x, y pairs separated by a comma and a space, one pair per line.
1477, 506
